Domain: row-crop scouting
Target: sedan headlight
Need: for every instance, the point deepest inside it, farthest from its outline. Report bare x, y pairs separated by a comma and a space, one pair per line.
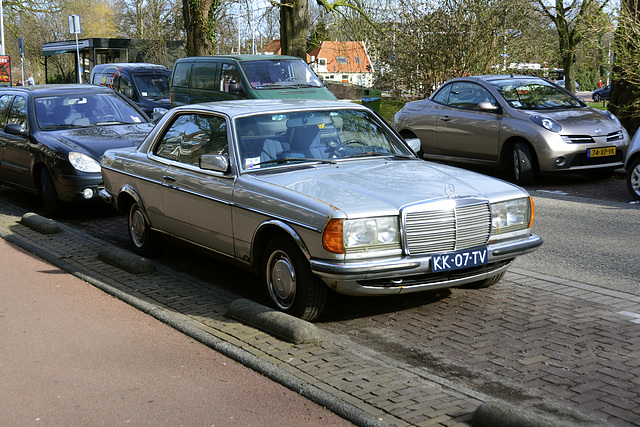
614, 118
547, 123
83, 163
360, 235
511, 216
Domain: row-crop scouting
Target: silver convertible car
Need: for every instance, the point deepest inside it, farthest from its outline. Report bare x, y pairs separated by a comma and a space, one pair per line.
315, 195
520, 123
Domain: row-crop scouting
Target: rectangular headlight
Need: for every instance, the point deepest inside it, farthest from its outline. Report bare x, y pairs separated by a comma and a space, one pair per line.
356, 235
511, 215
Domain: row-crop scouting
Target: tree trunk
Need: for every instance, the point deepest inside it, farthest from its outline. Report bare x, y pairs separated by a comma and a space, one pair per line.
199, 27
294, 27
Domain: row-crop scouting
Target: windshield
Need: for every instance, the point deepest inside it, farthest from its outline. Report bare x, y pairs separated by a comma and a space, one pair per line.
84, 109
535, 94
282, 73
270, 140
153, 85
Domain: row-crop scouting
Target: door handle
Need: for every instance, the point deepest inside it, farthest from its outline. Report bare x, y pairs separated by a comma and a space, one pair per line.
169, 178
445, 118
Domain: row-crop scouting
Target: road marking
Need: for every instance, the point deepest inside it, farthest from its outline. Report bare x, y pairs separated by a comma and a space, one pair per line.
636, 316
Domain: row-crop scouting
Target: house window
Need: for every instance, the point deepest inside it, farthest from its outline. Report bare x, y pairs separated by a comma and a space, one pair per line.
322, 61
358, 60
341, 60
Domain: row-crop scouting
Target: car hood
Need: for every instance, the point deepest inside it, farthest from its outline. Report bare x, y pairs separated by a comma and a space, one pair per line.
359, 187
94, 140
583, 121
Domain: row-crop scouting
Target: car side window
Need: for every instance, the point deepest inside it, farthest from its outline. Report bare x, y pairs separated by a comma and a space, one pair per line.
467, 96
5, 101
192, 135
204, 76
229, 73
18, 112
181, 74
442, 96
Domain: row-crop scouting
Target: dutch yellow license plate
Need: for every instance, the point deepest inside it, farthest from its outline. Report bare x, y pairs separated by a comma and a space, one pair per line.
601, 152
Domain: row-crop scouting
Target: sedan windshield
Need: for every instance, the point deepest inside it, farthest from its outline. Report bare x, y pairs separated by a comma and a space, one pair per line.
535, 94
282, 73
269, 140
84, 109
155, 86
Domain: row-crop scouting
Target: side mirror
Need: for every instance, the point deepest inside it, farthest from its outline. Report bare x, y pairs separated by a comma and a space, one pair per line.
15, 129
487, 106
414, 144
235, 88
128, 92
215, 163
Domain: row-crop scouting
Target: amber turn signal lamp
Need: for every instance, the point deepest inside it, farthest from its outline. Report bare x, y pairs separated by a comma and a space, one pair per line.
332, 237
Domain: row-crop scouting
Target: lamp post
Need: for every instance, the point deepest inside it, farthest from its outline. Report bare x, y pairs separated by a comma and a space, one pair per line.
1, 30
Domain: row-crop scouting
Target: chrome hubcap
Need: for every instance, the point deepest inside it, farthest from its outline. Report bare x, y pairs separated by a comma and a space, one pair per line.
137, 227
635, 179
281, 278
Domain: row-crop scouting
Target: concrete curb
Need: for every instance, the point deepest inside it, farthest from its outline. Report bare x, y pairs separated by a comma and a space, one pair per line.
40, 224
274, 322
126, 260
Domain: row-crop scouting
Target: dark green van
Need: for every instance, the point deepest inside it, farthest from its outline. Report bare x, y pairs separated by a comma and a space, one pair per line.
222, 77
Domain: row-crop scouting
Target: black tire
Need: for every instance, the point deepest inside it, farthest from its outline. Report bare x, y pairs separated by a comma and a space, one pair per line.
50, 200
145, 241
522, 164
596, 97
490, 281
289, 282
633, 178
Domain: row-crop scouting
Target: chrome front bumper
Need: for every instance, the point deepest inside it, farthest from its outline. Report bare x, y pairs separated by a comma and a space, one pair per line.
412, 274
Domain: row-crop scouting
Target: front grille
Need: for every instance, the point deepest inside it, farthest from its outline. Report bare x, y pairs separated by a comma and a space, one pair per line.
454, 228
615, 136
578, 139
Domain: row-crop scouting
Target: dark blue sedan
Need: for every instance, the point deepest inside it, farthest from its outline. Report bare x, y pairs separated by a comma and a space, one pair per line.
53, 137
602, 93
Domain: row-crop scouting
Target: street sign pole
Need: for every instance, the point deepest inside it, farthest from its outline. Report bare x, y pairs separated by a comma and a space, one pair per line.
74, 28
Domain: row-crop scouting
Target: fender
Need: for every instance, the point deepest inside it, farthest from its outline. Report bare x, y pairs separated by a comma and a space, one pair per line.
264, 229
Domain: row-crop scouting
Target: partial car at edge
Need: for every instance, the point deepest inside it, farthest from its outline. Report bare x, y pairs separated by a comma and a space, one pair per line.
522, 123
53, 136
315, 196
632, 166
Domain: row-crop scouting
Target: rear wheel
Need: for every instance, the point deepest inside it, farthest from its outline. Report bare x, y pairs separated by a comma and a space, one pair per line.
633, 178
289, 282
50, 200
145, 241
522, 163
596, 97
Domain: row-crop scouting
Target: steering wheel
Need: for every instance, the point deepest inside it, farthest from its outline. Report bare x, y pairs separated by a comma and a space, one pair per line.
352, 142
108, 118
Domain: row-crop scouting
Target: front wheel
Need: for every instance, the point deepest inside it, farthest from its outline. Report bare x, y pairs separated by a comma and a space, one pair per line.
145, 241
50, 200
522, 164
489, 281
633, 178
596, 97
288, 279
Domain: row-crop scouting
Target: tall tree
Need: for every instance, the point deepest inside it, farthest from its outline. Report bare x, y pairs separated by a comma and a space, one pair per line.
200, 23
572, 22
625, 87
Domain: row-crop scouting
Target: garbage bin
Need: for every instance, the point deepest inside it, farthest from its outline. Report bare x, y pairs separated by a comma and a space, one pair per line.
371, 98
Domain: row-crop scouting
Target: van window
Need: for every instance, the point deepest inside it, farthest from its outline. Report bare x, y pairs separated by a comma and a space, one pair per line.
181, 74
229, 72
204, 76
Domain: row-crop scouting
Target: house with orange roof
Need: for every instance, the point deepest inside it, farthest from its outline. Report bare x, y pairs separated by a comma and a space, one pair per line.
346, 62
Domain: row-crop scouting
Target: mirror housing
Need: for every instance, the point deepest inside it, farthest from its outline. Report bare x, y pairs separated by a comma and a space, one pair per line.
215, 163
235, 88
487, 106
414, 144
128, 92
15, 129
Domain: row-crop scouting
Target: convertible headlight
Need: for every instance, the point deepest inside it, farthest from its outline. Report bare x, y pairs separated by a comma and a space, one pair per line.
355, 235
83, 163
511, 215
547, 123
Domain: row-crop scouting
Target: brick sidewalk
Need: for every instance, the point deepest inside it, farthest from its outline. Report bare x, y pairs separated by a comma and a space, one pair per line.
361, 385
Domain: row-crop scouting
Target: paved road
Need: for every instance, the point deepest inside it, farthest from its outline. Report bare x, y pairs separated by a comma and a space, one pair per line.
535, 340
73, 355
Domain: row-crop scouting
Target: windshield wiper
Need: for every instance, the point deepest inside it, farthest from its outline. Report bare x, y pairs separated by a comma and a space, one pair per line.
371, 154
295, 159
